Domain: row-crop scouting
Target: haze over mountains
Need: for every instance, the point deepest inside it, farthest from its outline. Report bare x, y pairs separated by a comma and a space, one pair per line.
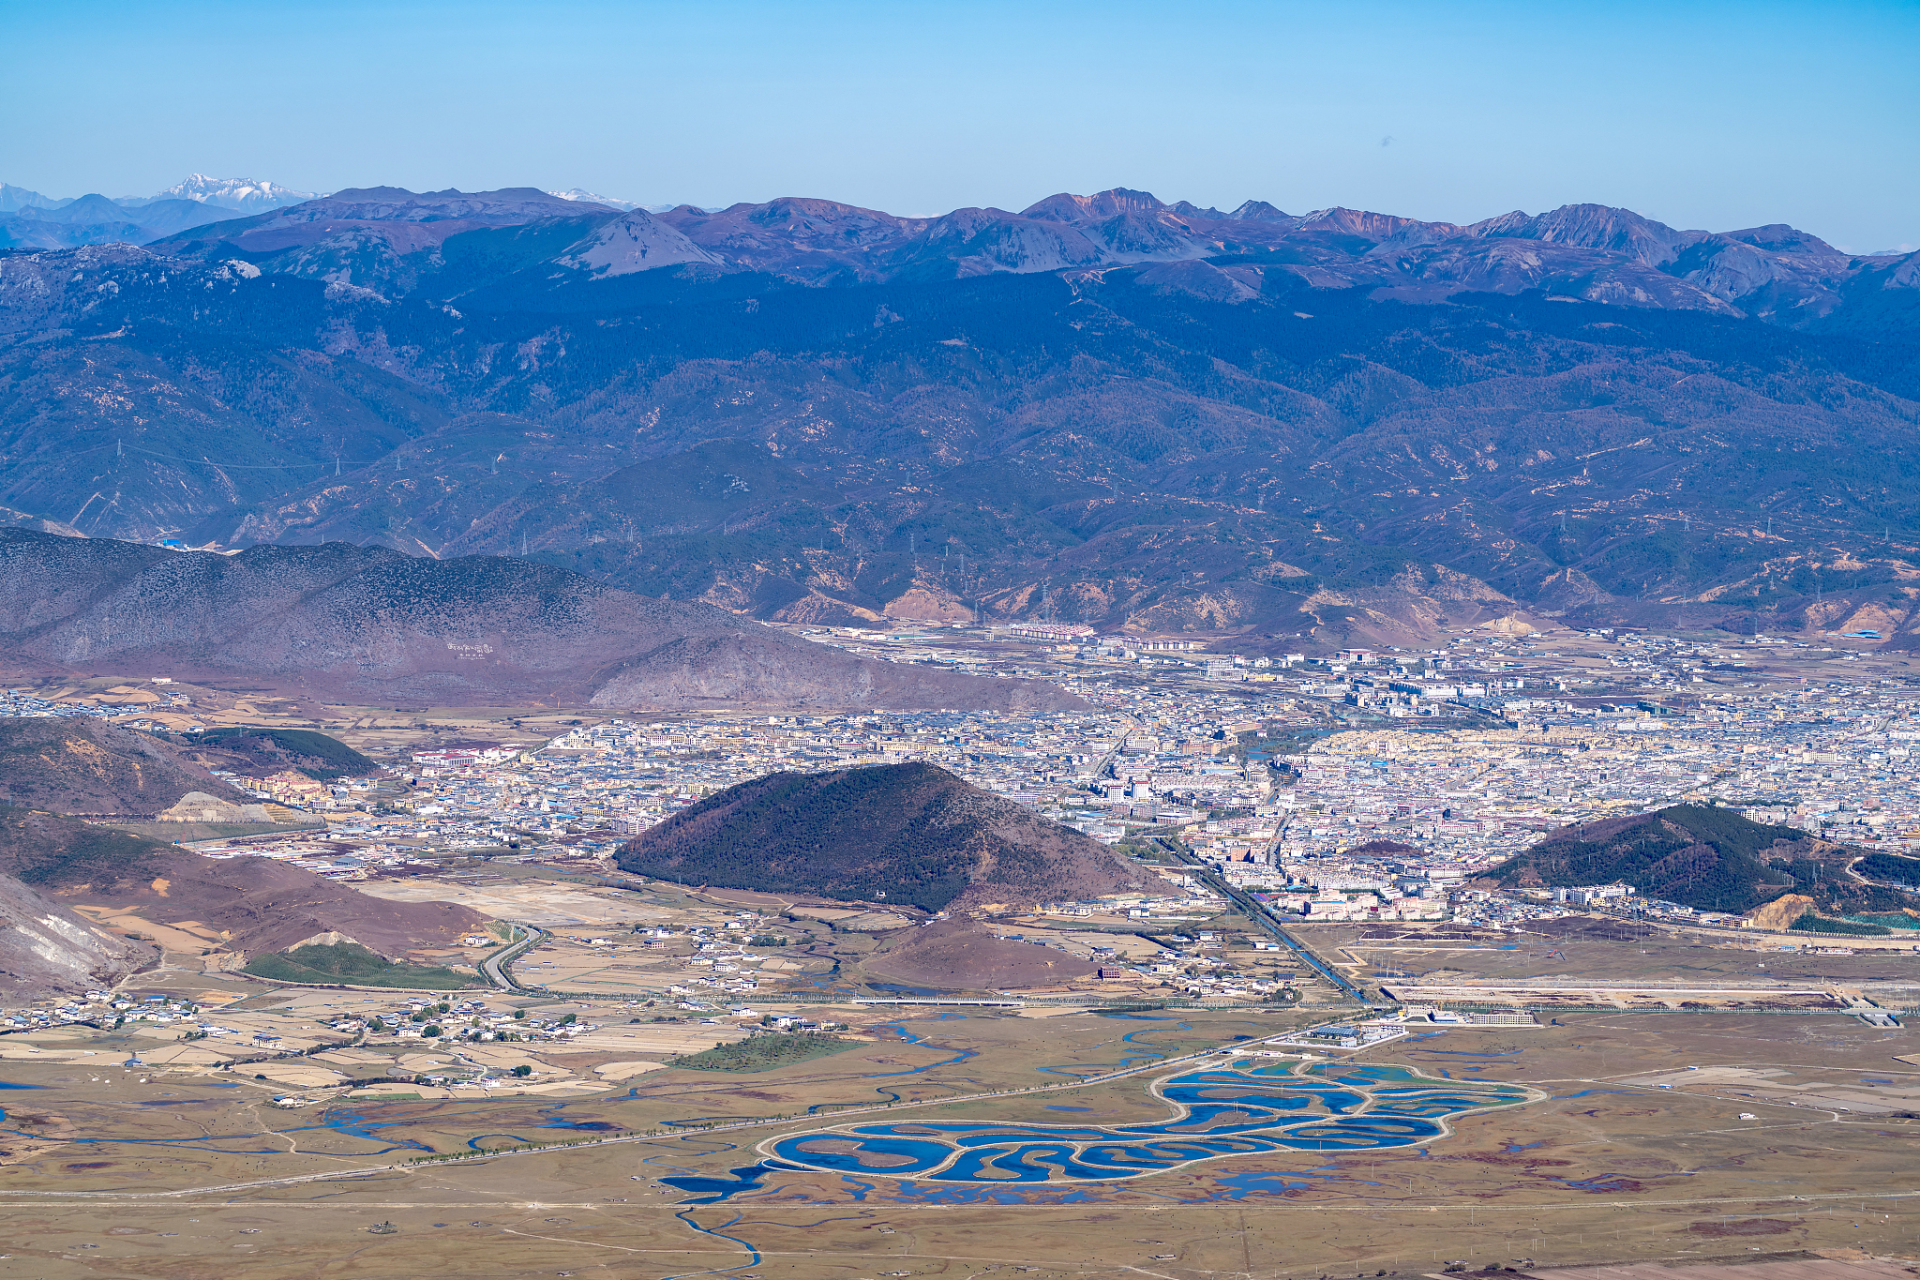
338, 621
1586, 251
31, 220
1103, 408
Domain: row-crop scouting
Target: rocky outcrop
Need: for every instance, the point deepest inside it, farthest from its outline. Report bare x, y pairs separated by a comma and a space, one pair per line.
198, 806
47, 949
1780, 914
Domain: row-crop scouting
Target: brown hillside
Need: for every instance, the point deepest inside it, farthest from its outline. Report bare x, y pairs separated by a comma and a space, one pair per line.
959, 955
46, 949
906, 834
82, 764
1780, 914
252, 904
346, 622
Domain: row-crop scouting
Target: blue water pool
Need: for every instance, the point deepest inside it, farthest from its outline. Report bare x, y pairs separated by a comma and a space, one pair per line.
1238, 1107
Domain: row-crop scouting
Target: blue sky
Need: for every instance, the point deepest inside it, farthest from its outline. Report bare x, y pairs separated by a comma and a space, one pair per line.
1701, 115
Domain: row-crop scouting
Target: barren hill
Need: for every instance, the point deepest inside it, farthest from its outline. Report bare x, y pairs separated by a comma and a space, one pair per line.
85, 765
46, 948
961, 955
249, 904
372, 624
911, 834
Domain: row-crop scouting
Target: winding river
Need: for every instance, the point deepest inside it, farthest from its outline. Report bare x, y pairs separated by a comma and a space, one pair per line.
1241, 1106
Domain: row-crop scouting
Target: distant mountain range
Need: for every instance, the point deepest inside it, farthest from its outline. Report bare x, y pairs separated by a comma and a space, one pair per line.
30, 220
1102, 408
1591, 252
1586, 252
247, 195
338, 621
34, 221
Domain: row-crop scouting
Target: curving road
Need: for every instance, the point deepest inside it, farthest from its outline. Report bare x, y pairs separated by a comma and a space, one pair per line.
494, 967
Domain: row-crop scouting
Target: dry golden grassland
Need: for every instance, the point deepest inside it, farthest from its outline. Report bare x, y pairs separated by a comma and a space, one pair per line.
1660, 1136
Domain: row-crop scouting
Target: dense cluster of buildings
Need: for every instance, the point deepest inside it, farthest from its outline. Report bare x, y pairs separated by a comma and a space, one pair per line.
133, 705
1354, 785
98, 1008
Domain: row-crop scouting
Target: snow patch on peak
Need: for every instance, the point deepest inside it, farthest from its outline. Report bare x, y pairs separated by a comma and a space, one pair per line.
248, 195
582, 196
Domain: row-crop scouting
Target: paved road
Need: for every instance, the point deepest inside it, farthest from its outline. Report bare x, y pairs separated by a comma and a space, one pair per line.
1260, 916
494, 967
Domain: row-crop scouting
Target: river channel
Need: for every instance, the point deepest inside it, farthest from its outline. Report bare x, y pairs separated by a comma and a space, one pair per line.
1237, 1107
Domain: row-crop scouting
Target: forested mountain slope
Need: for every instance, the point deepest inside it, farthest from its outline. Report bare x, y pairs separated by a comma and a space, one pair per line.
1103, 409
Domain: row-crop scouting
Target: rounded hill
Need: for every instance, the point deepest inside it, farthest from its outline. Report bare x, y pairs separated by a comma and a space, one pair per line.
907, 834
1700, 856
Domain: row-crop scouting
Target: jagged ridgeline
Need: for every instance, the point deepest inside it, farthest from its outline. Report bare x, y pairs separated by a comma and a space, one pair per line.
1700, 856
908, 834
1098, 409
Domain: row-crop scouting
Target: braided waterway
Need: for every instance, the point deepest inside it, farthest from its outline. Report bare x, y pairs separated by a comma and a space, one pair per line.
1242, 1107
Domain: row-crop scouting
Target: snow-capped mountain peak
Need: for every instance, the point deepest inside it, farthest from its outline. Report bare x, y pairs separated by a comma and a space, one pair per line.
249, 195
587, 197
